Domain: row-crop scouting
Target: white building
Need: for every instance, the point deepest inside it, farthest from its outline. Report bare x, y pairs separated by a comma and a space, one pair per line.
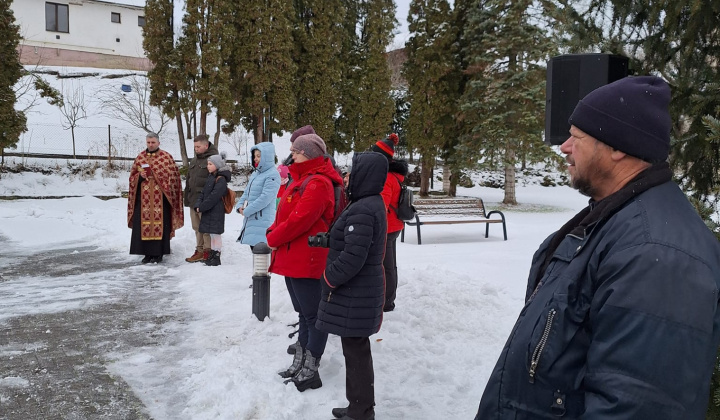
82, 33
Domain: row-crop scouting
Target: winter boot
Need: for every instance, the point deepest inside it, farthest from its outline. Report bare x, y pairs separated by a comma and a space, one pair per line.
197, 256
294, 346
206, 254
297, 363
308, 377
213, 258
339, 412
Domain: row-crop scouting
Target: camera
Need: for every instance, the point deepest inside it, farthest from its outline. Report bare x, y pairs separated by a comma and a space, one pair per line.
320, 240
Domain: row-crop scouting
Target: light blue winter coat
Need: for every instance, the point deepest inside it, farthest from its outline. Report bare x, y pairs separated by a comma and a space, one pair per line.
260, 195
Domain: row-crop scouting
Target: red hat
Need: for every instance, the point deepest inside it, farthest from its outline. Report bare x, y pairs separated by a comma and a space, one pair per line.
386, 146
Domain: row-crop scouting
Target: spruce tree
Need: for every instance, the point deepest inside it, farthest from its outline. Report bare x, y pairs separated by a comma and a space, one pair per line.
318, 35
204, 53
504, 100
12, 121
262, 70
677, 40
366, 105
165, 78
430, 71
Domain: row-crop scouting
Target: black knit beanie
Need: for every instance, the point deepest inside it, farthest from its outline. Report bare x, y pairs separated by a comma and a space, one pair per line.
630, 115
386, 146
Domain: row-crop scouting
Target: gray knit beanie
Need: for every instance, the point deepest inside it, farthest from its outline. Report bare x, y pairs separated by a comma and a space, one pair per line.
630, 115
219, 161
310, 145
306, 129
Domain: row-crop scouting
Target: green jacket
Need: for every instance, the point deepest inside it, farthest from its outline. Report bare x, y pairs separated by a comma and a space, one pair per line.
196, 176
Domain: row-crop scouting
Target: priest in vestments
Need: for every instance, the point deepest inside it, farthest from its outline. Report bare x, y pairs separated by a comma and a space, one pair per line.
155, 202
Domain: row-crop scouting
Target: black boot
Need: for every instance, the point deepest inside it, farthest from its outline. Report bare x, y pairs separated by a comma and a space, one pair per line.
147, 259
308, 377
339, 412
213, 258
297, 363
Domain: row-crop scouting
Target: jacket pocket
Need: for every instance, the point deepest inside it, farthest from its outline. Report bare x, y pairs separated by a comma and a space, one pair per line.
558, 344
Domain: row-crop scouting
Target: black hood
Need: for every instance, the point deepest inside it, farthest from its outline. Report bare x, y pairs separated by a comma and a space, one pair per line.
369, 170
399, 166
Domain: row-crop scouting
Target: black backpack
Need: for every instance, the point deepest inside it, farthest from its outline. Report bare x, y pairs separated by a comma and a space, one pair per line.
405, 210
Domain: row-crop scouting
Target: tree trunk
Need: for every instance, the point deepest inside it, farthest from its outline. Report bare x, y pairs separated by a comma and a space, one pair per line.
217, 130
258, 128
189, 127
72, 133
194, 119
203, 119
425, 174
181, 137
454, 178
446, 179
510, 176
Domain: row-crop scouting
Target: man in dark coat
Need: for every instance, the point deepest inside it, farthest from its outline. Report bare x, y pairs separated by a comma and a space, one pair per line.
621, 316
195, 181
353, 281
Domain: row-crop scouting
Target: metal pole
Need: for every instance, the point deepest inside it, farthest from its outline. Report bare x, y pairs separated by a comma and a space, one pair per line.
109, 147
261, 281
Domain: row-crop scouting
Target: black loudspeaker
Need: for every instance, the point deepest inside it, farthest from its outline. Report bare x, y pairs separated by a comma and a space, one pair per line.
569, 78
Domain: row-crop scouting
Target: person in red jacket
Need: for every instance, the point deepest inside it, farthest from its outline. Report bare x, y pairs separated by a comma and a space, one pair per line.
284, 171
397, 171
306, 208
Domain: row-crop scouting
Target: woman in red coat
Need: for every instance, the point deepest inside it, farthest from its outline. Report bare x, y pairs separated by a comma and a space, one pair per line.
397, 171
306, 208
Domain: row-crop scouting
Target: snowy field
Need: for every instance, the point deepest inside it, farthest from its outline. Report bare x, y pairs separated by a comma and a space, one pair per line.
458, 297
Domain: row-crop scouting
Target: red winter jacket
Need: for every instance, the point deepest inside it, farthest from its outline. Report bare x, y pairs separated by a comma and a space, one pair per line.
391, 195
300, 215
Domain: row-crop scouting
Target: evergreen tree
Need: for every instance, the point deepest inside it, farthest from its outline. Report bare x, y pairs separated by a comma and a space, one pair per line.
166, 83
318, 38
205, 48
504, 100
677, 40
431, 73
12, 121
262, 71
366, 106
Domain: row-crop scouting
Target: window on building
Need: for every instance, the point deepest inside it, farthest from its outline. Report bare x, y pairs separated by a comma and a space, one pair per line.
56, 17
114, 17
141, 21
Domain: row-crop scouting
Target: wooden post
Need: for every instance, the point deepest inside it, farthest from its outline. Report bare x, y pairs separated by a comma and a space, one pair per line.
109, 147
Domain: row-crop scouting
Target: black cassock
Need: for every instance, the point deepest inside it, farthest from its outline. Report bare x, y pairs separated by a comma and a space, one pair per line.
157, 247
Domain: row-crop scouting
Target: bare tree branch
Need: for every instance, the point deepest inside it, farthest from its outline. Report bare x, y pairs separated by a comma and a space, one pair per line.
133, 107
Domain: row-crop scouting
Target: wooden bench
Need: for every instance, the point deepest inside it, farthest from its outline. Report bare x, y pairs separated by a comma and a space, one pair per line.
453, 211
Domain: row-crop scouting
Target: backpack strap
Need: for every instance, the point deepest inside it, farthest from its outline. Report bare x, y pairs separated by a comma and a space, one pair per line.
301, 190
401, 188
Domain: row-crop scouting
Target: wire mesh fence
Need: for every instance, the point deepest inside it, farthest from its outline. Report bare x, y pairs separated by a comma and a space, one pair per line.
112, 143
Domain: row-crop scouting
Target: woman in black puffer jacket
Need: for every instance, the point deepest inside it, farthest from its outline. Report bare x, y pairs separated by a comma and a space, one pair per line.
354, 283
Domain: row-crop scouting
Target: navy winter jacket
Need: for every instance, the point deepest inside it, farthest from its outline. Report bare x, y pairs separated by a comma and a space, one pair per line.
210, 203
354, 280
623, 324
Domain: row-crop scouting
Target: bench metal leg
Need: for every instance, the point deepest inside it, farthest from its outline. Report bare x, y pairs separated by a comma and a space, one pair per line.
487, 229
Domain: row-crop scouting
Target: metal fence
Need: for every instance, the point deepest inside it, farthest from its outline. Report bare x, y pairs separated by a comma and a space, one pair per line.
112, 143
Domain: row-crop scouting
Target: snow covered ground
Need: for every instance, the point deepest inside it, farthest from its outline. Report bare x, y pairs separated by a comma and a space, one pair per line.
458, 297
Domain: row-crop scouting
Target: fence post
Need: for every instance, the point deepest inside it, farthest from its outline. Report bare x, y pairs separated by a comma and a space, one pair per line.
109, 148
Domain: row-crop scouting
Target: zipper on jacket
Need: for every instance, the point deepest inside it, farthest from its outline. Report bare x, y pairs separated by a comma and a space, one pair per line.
541, 345
329, 296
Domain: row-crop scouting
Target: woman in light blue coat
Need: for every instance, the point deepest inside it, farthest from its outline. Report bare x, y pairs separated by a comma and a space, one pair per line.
257, 202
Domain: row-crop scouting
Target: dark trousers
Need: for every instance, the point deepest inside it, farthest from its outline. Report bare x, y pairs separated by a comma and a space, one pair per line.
305, 296
359, 377
390, 266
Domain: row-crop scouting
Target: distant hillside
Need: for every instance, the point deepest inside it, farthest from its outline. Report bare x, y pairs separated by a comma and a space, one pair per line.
396, 59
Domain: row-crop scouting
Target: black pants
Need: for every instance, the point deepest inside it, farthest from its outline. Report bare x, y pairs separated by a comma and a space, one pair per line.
305, 296
359, 377
390, 266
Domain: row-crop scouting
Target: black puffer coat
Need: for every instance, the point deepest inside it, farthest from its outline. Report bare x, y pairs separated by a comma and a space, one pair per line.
354, 282
210, 203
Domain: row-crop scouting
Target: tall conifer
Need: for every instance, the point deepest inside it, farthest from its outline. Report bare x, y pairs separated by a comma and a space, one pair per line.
430, 71
12, 121
504, 101
318, 38
263, 71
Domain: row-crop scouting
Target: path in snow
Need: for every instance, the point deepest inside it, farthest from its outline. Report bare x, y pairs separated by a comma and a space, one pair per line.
65, 314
